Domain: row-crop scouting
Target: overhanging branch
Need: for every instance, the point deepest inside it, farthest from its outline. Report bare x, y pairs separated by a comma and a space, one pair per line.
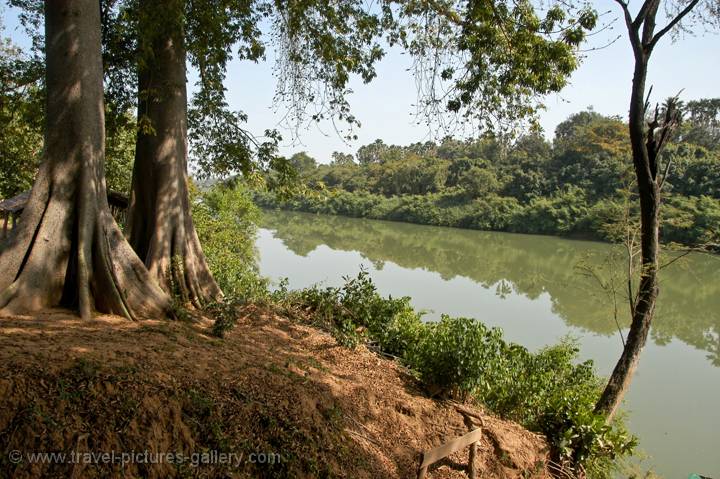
673, 23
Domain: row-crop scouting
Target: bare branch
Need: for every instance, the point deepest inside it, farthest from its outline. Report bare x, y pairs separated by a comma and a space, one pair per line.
647, 100
673, 23
628, 19
666, 172
677, 258
606, 45
632, 31
642, 14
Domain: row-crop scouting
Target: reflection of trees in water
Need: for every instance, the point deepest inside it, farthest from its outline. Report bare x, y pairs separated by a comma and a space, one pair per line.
689, 306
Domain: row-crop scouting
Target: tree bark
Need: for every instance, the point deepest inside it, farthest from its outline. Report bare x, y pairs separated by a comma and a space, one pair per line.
67, 250
160, 227
645, 165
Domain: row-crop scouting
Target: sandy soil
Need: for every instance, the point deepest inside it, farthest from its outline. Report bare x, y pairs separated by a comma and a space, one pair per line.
270, 386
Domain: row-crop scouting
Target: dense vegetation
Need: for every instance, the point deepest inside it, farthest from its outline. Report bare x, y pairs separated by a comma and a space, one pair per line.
581, 184
460, 357
547, 392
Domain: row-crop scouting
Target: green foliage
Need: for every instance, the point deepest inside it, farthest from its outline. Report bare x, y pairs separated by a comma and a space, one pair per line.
119, 149
302, 162
225, 314
21, 119
225, 219
353, 311
580, 186
548, 391
22, 116
701, 123
695, 170
455, 355
492, 61
401, 333
495, 213
692, 220
478, 182
592, 152
563, 213
226, 222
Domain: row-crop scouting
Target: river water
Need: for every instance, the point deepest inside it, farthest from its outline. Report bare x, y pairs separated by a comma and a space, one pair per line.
538, 289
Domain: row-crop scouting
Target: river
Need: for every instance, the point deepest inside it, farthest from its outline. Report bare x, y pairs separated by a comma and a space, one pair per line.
538, 290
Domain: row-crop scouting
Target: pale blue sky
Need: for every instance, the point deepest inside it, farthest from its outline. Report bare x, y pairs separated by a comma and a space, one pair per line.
385, 106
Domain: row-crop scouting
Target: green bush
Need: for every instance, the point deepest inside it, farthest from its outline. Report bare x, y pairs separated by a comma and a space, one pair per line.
492, 213
564, 213
225, 218
401, 333
691, 221
547, 391
354, 311
455, 355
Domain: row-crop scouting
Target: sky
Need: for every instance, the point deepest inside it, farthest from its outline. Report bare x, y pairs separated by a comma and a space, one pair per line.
385, 106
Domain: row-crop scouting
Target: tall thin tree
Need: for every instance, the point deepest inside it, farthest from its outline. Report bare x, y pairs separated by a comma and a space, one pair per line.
648, 135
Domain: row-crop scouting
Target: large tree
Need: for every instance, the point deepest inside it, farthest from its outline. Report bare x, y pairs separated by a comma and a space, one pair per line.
67, 249
160, 227
649, 132
317, 44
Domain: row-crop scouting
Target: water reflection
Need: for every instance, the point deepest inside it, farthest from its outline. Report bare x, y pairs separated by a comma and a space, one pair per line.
531, 266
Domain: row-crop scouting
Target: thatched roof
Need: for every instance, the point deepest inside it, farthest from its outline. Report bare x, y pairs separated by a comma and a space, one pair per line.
17, 203
117, 199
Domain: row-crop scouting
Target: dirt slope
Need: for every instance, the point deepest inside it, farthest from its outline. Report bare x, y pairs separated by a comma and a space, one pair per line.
270, 387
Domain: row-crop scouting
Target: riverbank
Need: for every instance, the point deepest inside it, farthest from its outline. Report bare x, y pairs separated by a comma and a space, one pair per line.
531, 287
688, 221
285, 399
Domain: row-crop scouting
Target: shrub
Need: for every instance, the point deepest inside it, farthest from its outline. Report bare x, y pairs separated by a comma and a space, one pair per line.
454, 355
564, 213
547, 392
691, 220
493, 213
226, 219
354, 311
401, 333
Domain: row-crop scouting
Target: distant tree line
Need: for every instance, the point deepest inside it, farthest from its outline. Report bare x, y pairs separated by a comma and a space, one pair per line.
580, 184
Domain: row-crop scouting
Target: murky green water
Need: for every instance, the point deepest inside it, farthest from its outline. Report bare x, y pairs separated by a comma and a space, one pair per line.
534, 288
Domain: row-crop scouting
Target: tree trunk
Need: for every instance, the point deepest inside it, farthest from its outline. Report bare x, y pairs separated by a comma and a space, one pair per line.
160, 227
643, 312
649, 193
67, 249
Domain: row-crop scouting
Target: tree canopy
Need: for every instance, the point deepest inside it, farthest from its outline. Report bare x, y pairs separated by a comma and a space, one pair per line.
578, 184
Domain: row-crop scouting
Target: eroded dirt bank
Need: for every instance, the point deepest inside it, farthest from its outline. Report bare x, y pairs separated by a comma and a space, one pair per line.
283, 391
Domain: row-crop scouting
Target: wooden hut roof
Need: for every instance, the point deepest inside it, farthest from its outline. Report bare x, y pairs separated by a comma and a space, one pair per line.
14, 204
17, 203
